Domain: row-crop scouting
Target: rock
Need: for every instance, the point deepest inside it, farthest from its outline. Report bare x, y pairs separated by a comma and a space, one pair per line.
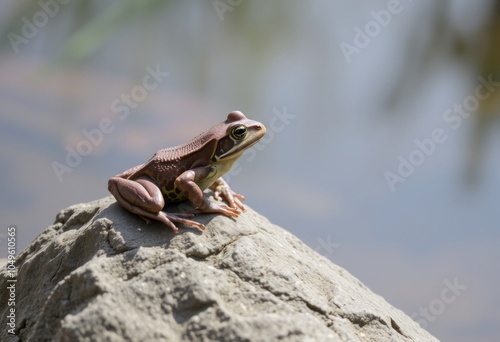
100, 273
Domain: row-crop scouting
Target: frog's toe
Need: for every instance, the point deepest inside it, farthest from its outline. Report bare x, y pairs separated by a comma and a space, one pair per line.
162, 217
234, 200
180, 219
239, 196
238, 204
226, 210
217, 195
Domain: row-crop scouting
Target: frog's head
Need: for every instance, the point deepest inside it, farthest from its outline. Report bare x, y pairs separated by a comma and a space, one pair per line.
236, 135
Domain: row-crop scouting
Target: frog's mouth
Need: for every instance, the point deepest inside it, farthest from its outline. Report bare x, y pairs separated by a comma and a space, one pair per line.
239, 149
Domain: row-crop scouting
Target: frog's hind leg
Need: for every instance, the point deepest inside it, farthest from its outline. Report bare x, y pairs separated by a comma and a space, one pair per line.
142, 196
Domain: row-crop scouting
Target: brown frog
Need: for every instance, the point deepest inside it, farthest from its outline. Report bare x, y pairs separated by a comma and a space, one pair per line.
183, 172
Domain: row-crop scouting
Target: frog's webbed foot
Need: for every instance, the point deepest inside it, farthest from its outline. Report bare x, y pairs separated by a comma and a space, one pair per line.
222, 191
169, 218
219, 208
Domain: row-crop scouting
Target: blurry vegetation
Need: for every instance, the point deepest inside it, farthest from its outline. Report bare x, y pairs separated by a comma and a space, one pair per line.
479, 52
89, 34
94, 34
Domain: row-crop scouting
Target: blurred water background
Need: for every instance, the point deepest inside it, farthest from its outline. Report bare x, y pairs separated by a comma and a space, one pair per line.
382, 152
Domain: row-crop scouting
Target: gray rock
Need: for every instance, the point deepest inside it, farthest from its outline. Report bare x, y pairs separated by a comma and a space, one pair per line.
100, 273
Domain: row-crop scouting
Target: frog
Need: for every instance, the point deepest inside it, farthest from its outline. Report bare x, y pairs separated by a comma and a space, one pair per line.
185, 171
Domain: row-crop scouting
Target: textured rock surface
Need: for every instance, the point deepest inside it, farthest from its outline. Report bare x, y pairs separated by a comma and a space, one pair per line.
100, 273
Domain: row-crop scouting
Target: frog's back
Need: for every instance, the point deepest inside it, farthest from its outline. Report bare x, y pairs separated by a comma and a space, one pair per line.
175, 153
167, 164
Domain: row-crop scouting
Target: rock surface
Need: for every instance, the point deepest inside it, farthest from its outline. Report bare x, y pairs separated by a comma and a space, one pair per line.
101, 274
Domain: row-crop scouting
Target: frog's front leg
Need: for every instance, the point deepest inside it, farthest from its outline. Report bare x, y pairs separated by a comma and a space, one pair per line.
220, 187
142, 196
187, 184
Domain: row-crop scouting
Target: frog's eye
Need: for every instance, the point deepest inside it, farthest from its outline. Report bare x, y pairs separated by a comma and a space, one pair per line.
239, 132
